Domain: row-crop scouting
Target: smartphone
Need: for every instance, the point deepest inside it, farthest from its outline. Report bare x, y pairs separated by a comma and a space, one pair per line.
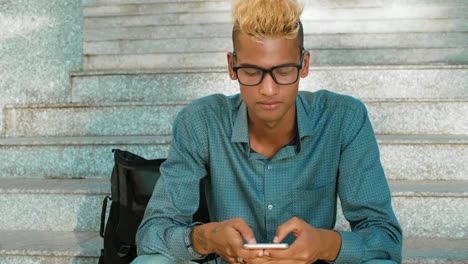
266, 246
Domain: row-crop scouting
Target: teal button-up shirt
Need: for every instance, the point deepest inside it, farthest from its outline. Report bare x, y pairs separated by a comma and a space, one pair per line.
335, 155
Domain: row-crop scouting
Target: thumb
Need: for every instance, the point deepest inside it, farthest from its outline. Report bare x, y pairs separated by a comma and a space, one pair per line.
293, 225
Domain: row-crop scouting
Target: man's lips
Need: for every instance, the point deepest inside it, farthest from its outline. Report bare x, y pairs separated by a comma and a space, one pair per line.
269, 102
269, 105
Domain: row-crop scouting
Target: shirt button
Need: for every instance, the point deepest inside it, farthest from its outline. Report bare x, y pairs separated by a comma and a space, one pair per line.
269, 167
270, 207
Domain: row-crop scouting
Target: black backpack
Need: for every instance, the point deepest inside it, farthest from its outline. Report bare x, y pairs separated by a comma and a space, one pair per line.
133, 180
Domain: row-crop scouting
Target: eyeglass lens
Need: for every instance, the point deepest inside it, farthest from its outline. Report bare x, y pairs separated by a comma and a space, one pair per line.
282, 75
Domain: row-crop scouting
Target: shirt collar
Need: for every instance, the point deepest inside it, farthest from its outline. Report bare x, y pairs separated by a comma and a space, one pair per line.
304, 121
240, 129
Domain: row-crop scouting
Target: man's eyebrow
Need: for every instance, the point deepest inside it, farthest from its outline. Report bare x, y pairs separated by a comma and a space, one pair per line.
249, 65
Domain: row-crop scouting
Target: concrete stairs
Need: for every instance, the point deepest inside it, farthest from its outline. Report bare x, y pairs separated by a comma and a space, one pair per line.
147, 36
146, 59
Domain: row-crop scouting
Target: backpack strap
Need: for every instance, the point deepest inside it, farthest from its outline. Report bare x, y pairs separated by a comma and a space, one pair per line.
103, 215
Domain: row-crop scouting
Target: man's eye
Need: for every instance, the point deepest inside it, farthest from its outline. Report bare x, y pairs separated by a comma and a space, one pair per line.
285, 72
251, 72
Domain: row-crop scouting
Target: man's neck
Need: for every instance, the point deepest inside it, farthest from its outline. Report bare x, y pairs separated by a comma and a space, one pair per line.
268, 137
272, 131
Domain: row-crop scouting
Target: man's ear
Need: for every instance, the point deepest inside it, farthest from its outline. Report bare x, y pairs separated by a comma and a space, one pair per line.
232, 73
305, 66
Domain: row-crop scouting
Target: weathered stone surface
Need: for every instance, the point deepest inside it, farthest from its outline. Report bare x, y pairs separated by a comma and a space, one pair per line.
51, 212
49, 246
309, 14
83, 248
390, 82
387, 116
321, 3
40, 43
154, 8
444, 56
150, 87
435, 251
324, 57
105, 2
224, 30
418, 118
75, 205
419, 158
71, 157
414, 212
185, 18
311, 42
18, 259
52, 205
414, 202
130, 120
311, 11
90, 157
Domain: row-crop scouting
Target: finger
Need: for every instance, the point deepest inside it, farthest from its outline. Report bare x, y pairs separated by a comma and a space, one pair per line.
249, 254
231, 260
298, 251
252, 253
293, 225
247, 234
244, 229
280, 254
262, 261
235, 260
274, 261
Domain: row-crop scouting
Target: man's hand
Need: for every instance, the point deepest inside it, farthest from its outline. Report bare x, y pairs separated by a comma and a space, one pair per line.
311, 244
225, 239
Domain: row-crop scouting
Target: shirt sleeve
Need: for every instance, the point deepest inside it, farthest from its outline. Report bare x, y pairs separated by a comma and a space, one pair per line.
365, 196
176, 195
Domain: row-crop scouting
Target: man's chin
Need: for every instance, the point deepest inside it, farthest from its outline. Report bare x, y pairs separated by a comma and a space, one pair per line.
271, 118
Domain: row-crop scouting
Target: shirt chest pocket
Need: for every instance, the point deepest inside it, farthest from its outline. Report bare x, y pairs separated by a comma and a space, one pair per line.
316, 206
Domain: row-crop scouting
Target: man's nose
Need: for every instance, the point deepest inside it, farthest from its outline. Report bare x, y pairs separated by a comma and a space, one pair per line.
268, 86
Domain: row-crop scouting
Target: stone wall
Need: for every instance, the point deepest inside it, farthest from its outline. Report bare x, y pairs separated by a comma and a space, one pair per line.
41, 42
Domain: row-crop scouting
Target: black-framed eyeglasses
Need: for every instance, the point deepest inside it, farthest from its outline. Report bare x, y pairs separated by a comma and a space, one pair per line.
284, 74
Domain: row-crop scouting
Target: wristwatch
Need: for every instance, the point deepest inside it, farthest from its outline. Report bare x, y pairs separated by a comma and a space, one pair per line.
188, 242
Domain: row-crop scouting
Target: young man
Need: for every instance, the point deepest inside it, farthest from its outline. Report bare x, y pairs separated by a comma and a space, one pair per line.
276, 158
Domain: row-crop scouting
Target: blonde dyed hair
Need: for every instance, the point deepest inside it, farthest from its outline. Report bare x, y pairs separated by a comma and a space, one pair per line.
262, 19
